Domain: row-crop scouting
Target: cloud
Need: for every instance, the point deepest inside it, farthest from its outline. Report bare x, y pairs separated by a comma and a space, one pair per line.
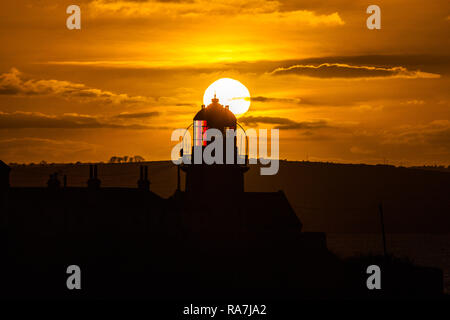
23, 120
186, 105
144, 8
138, 115
253, 10
284, 123
272, 99
382, 65
413, 102
13, 83
20, 143
432, 63
341, 70
360, 150
436, 133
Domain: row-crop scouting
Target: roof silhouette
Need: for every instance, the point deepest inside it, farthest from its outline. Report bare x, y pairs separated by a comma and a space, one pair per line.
4, 166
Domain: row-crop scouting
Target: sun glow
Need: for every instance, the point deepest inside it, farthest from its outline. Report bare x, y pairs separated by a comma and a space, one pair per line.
229, 92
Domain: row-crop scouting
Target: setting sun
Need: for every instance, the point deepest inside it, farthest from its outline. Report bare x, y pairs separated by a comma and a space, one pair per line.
229, 92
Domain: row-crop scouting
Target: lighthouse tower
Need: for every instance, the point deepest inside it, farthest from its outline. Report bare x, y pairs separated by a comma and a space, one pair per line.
219, 178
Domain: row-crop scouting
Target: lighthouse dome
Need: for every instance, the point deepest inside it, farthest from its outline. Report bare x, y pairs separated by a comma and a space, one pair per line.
217, 116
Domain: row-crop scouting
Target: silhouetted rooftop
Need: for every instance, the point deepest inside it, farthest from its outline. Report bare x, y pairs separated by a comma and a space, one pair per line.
4, 166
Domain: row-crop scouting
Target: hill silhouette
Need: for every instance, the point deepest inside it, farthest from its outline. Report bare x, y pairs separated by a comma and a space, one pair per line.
327, 197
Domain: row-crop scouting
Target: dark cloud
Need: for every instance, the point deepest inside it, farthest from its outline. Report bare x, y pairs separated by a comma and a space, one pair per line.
434, 64
271, 99
435, 133
284, 123
22, 120
438, 64
13, 83
304, 125
168, 1
186, 105
163, 1
440, 137
340, 70
138, 115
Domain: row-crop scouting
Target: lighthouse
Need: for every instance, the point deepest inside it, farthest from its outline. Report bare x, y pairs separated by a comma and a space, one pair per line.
227, 175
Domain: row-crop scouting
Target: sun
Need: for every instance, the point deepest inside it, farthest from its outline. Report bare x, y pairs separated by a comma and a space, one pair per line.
229, 92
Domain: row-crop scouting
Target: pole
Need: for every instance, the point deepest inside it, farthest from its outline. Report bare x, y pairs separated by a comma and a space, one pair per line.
382, 228
178, 178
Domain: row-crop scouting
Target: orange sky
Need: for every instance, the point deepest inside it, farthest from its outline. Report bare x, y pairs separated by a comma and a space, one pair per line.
138, 69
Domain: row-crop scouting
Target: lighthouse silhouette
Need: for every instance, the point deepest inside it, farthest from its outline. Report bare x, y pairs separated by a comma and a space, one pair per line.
226, 176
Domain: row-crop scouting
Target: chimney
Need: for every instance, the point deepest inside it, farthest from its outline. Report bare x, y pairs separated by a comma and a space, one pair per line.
53, 183
4, 176
93, 182
143, 182
4, 186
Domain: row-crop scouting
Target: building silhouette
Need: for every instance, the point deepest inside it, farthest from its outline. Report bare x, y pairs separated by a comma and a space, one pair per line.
211, 239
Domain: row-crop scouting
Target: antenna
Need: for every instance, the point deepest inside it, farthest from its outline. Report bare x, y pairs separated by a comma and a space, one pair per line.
178, 178
382, 228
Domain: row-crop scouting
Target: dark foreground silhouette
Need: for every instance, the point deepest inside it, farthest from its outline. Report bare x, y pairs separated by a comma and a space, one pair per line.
210, 241
130, 243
